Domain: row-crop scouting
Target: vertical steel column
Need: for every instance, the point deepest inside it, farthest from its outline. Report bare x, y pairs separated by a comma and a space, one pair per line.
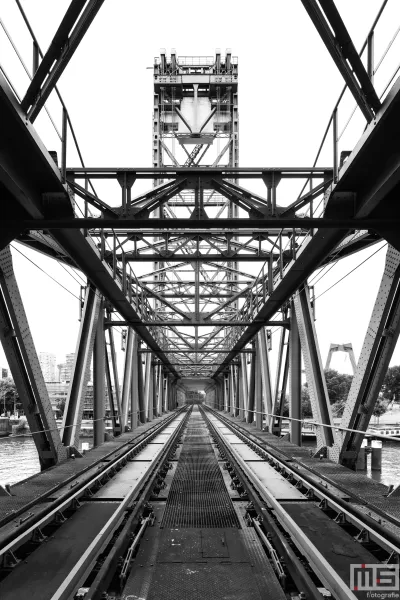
173, 395
281, 378
315, 375
141, 398
22, 358
295, 379
165, 393
232, 389
335, 145
244, 386
265, 377
114, 412
221, 397
160, 399
237, 390
148, 385
64, 144
169, 392
240, 396
156, 390
252, 383
99, 368
258, 388
115, 371
35, 58
226, 395
380, 341
134, 384
73, 411
126, 384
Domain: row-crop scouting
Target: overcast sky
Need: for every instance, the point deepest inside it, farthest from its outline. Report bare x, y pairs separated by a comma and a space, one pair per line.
288, 85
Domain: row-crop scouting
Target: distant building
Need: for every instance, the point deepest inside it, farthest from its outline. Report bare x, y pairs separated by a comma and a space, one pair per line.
65, 369
58, 392
47, 362
69, 363
4, 373
61, 372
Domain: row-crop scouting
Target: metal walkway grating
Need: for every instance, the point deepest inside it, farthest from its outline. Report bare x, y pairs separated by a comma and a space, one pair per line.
198, 496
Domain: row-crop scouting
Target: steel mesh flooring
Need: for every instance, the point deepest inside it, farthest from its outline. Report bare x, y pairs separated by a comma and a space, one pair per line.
198, 496
197, 582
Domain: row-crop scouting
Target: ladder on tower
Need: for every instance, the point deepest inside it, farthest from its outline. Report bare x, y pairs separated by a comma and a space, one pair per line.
191, 158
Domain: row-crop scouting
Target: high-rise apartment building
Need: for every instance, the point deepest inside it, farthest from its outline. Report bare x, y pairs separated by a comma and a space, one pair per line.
69, 364
47, 362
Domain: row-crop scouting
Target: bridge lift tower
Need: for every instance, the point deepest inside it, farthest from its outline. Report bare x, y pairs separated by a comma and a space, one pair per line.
348, 348
195, 125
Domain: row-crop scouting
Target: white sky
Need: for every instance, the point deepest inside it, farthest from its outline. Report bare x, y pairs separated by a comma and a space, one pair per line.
288, 85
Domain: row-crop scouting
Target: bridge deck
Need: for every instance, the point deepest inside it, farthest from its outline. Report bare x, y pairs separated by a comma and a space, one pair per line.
34, 492
369, 495
200, 546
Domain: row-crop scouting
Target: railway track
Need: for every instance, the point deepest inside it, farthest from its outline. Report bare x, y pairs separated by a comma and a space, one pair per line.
50, 552
323, 531
200, 509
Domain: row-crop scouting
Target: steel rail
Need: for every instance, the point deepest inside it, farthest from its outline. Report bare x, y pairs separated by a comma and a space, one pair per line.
326, 574
382, 537
87, 562
319, 564
74, 493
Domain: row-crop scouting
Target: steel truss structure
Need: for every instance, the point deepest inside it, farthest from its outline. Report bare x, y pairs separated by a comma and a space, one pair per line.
199, 267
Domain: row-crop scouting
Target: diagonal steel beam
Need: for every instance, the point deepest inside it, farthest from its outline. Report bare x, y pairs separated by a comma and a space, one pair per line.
341, 49
350, 53
107, 210
207, 119
182, 118
73, 411
46, 79
54, 52
19, 348
314, 369
379, 343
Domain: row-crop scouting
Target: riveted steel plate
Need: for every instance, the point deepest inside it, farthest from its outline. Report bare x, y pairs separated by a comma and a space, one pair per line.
247, 453
232, 438
277, 485
180, 545
150, 452
124, 482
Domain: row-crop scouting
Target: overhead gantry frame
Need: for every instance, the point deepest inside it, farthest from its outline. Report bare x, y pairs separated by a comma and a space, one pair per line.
197, 312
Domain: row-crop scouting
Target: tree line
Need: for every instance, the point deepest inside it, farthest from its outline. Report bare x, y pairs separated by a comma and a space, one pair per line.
338, 385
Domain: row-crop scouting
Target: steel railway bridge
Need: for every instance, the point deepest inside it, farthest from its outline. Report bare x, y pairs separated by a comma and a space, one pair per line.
199, 500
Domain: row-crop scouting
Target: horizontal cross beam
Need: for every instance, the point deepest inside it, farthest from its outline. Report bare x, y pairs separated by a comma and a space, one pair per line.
208, 172
194, 224
198, 351
199, 257
196, 323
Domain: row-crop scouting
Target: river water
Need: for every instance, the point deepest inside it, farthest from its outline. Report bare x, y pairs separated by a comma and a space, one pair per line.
18, 460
